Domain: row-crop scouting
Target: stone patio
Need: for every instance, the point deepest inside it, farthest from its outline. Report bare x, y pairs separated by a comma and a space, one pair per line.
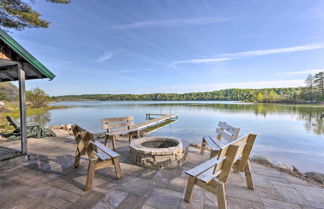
48, 181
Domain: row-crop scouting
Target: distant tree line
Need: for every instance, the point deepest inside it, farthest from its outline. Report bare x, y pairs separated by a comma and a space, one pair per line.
221, 95
312, 92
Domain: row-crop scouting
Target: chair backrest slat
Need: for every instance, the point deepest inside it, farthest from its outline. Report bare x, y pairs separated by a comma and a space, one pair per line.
118, 125
245, 152
225, 167
12, 122
110, 124
228, 132
242, 152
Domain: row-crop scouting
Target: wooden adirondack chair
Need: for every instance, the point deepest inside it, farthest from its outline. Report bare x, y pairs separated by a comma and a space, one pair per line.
212, 175
225, 134
119, 126
33, 130
99, 155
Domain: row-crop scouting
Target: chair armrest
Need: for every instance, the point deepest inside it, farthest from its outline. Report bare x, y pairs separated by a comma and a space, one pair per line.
105, 149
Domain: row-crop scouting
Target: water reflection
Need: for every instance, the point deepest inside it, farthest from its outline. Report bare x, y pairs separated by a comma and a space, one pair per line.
310, 114
41, 119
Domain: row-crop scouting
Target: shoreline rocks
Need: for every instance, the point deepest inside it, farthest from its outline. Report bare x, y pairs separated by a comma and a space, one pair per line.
262, 160
318, 177
64, 127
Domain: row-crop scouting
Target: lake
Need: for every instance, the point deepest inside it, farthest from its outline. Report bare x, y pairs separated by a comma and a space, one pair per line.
287, 133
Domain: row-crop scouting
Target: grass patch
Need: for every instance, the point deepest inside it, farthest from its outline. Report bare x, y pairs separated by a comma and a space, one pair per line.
13, 111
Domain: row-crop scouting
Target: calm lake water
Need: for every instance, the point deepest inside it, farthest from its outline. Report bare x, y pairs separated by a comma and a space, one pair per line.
286, 133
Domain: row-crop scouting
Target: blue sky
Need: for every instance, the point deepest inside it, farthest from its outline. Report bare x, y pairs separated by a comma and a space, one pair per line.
144, 46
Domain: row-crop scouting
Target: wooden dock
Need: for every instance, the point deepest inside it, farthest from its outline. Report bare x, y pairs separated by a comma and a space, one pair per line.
152, 121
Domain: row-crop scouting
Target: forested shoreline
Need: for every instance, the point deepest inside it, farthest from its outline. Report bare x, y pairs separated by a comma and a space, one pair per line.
289, 95
313, 92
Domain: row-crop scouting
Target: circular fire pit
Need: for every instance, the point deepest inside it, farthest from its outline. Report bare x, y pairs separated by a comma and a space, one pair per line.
158, 152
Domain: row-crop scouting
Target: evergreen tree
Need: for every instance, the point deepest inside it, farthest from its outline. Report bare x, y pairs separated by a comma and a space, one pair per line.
18, 14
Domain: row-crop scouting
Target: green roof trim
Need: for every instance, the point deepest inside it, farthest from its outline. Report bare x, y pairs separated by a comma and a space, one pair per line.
15, 46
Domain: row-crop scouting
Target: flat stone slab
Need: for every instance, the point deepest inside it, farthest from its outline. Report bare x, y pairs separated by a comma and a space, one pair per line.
48, 181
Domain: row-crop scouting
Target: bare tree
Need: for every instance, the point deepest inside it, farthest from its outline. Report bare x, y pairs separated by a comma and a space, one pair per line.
319, 81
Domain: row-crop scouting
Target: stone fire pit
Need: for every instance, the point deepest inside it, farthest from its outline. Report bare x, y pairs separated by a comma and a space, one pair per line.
158, 152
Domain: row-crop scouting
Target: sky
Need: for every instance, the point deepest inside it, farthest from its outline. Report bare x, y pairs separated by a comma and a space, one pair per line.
148, 46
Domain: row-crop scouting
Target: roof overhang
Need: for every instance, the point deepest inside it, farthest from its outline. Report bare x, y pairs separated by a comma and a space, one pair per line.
18, 55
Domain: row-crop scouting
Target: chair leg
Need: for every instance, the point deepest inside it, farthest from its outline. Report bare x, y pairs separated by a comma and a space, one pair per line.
248, 176
90, 175
106, 140
203, 146
189, 189
130, 137
221, 196
77, 160
114, 142
117, 168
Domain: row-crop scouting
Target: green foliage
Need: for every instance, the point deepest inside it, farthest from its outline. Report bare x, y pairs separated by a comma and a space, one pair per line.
260, 95
13, 111
8, 92
37, 98
18, 14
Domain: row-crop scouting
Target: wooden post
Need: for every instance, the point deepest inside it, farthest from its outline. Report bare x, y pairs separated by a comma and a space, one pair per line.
22, 103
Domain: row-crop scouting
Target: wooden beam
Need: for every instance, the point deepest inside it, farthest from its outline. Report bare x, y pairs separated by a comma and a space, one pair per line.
31, 69
8, 70
22, 103
9, 76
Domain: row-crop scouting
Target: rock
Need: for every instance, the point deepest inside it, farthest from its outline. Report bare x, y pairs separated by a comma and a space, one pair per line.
262, 160
318, 177
65, 127
285, 166
68, 127
52, 127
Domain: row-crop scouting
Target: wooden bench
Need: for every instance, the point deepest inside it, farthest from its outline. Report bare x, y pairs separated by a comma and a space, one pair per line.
119, 126
33, 130
225, 134
99, 155
212, 175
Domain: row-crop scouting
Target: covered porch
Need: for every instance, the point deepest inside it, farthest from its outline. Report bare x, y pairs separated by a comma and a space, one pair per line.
17, 64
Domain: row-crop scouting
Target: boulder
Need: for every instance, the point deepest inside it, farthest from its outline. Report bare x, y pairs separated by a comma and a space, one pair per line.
318, 177
262, 160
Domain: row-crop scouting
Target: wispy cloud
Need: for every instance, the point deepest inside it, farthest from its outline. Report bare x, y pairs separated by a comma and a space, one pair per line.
105, 56
303, 72
194, 61
134, 70
238, 55
171, 22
